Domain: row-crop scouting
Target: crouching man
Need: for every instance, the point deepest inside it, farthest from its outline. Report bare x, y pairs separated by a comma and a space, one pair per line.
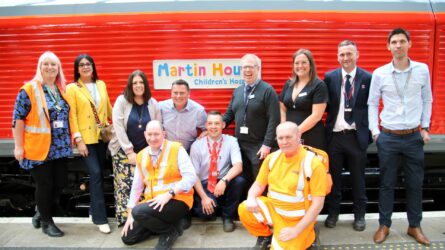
217, 160
297, 189
165, 174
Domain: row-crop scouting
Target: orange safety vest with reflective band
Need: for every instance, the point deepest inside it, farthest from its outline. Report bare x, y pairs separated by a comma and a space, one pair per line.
37, 136
163, 177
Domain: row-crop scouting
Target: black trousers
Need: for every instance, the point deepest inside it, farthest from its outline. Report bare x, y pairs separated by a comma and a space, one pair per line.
148, 221
251, 161
344, 152
50, 179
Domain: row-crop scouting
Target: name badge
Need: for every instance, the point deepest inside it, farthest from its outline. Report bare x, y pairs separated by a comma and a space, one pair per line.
251, 96
244, 130
57, 124
302, 94
348, 110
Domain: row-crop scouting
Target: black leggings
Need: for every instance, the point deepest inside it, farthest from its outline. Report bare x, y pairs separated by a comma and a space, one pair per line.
50, 179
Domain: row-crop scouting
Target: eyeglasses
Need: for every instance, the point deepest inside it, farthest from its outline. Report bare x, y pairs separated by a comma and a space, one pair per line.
81, 65
249, 66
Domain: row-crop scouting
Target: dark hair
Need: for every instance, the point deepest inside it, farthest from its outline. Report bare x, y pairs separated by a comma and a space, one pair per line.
128, 92
313, 67
181, 82
397, 31
214, 112
346, 43
76, 67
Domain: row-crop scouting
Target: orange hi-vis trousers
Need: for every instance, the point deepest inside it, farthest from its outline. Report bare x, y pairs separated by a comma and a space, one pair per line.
274, 216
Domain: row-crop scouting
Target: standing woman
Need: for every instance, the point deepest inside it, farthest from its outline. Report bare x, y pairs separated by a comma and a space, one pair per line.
304, 98
88, 98
42, 136
131, 113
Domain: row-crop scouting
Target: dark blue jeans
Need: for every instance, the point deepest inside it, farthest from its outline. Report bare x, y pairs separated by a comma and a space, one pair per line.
228, 203
95, 162
390, 148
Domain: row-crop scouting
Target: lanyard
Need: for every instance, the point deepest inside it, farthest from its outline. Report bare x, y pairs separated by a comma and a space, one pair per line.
210, 148
399, 93
348, 96
246, 101
54, 97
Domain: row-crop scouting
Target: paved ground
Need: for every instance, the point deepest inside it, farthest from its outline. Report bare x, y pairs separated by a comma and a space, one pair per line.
18, 233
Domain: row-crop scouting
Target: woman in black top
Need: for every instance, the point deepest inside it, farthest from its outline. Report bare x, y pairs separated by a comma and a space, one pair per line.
304, 98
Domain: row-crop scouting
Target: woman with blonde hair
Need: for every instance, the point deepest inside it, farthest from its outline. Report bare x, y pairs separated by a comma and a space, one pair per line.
42, 137
91, 109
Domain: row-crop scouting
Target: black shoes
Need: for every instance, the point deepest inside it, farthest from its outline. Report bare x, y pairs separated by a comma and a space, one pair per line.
331, 221
228, 225
166, 241
359, 224
36, 220
263, 242
51, 229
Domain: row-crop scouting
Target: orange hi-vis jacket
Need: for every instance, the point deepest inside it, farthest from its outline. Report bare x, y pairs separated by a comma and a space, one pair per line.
165, 175
289, 196
37, 135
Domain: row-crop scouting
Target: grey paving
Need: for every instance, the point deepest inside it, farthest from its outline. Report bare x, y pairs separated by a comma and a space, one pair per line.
18, 233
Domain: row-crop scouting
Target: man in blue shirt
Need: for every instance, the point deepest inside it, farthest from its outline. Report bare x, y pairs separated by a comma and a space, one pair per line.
219, 182
405, 88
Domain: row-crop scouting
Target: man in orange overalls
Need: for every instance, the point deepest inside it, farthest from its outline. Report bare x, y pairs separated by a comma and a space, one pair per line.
296, 193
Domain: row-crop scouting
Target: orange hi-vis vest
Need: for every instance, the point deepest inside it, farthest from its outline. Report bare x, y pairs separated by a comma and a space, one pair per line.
165, 175
37, 136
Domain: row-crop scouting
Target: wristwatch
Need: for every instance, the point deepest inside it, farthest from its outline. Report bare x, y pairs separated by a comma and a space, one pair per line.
427, 129
225, 180
172, 192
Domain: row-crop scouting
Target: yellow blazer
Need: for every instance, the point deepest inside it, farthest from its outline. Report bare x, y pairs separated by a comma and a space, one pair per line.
82, 120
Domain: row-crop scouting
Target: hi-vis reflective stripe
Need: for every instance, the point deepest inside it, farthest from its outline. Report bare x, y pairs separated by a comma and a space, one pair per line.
265, 210
164, 187
308, 163
275, 244
259, 217
43, 129
290, 213
163, 165
286, 198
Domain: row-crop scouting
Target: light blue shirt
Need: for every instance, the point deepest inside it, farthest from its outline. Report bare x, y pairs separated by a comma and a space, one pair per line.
230, 154
404, 109
181, 125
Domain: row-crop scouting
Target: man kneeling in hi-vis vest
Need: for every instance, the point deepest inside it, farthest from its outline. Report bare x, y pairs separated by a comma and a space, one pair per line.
164, 172
298, 185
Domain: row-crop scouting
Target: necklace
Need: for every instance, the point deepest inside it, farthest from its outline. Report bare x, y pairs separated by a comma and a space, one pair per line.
140, 113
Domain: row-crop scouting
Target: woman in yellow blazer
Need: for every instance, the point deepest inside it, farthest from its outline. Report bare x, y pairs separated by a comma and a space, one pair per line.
87, 92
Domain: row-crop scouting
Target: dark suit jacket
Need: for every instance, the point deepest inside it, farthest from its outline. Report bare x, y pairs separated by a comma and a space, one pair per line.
362, 82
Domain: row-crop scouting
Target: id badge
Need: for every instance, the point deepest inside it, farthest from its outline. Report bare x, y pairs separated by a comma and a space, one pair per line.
302, 94
251, 96
348, 110
58, 124
399, 110
244, 130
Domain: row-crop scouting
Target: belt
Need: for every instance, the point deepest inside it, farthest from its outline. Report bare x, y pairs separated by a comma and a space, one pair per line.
401, 131
346, 131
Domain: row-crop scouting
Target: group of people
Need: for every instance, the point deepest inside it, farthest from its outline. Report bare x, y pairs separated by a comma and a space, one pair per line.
171, 158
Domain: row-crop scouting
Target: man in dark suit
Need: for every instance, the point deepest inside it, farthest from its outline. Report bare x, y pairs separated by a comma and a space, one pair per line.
347, 130
254, 107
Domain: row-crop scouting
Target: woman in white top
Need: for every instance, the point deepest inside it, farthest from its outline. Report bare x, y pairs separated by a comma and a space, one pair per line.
131, 113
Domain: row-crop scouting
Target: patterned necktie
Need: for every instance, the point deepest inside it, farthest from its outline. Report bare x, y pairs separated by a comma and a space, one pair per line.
348, 99
248, 90
213, 171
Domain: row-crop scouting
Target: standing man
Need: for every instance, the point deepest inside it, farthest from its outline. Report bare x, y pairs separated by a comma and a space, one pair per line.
254, 107
405, 88
165, 176
218, 164
347, 131
296, 181
181, 116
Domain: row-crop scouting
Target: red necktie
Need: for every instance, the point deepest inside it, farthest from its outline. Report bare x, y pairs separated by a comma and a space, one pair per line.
213, 171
